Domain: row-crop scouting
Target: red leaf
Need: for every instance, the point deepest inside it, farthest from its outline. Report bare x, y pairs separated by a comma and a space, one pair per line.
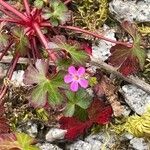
87, 48
4, 126
99, 112
94, 109
129, 59
74, 127
105, 116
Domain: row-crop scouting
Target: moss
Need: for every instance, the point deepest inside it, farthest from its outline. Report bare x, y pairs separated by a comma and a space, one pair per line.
138, 126
91, 14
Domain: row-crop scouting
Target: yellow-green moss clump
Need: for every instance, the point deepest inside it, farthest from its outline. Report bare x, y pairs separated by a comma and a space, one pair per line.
91, 14
138, 126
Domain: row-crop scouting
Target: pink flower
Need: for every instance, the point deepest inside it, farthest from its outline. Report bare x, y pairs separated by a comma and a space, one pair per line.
76, 78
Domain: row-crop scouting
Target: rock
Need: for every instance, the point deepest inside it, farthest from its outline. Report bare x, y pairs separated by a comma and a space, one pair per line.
131, 10
55, 134
102, 50
137, 99
95, 142
29, 128
17, 78
80, 145
48, 146
139, 144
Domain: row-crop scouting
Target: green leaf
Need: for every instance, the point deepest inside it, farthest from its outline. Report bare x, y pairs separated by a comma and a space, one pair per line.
45, 88
63, 64
57, 12
81, 99
38, 4
54, 95
39, 95
17, 141
78, 57
25, 141
21, 41
70, 109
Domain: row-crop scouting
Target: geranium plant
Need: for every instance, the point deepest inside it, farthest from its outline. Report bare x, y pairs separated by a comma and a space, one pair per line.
57, 71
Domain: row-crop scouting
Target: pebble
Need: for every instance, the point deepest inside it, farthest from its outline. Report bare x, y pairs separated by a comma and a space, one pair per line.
137, 99
131, 10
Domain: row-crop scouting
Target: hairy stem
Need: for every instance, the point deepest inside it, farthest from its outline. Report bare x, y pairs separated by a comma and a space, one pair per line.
5, 50
46, 24
13, 10
95, 35
26, 5
9, 14
9, 76
9, 20
44, 41
41, 35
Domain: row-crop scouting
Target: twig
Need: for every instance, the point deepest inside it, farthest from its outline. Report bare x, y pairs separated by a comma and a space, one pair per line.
131, 79
7, 60
98, 63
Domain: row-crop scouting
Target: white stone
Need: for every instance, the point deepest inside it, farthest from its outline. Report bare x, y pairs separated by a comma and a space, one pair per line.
139, 144
81, 145
55, 134
102, 50
48, 146
17, 78
131, 10
137, 99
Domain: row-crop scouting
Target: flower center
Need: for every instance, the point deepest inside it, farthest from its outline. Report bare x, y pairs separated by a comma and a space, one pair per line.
76, 77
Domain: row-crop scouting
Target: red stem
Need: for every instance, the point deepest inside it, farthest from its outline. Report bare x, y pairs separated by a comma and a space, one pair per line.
9, 14
9, 20
13, 10
44, 41
26, 5
12, 66
35, 48
5, 50
41, 35
95, 35
46, 24
9, 75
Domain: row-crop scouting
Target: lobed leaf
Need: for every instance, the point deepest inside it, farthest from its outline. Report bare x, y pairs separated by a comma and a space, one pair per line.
129, 60
57, 13
45, 89
81, 99
21, 41
17, 141
79, 57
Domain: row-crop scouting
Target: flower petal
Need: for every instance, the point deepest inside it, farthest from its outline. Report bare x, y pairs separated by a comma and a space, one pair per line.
68, 78
74, 86
81, 71
72, 70
83, 83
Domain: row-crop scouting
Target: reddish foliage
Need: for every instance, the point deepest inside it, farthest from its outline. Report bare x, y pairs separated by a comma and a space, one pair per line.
98, 113
129, 59
4, 126
87, 48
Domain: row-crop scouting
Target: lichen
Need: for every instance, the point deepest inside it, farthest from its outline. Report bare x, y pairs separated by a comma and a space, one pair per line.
91, 14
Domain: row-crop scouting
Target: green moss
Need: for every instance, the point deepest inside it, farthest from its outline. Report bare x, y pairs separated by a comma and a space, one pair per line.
91, 14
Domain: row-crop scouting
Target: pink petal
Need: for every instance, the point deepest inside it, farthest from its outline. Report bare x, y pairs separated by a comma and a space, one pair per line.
68, 78
81, 71
72, 70
83, 83
74, 86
